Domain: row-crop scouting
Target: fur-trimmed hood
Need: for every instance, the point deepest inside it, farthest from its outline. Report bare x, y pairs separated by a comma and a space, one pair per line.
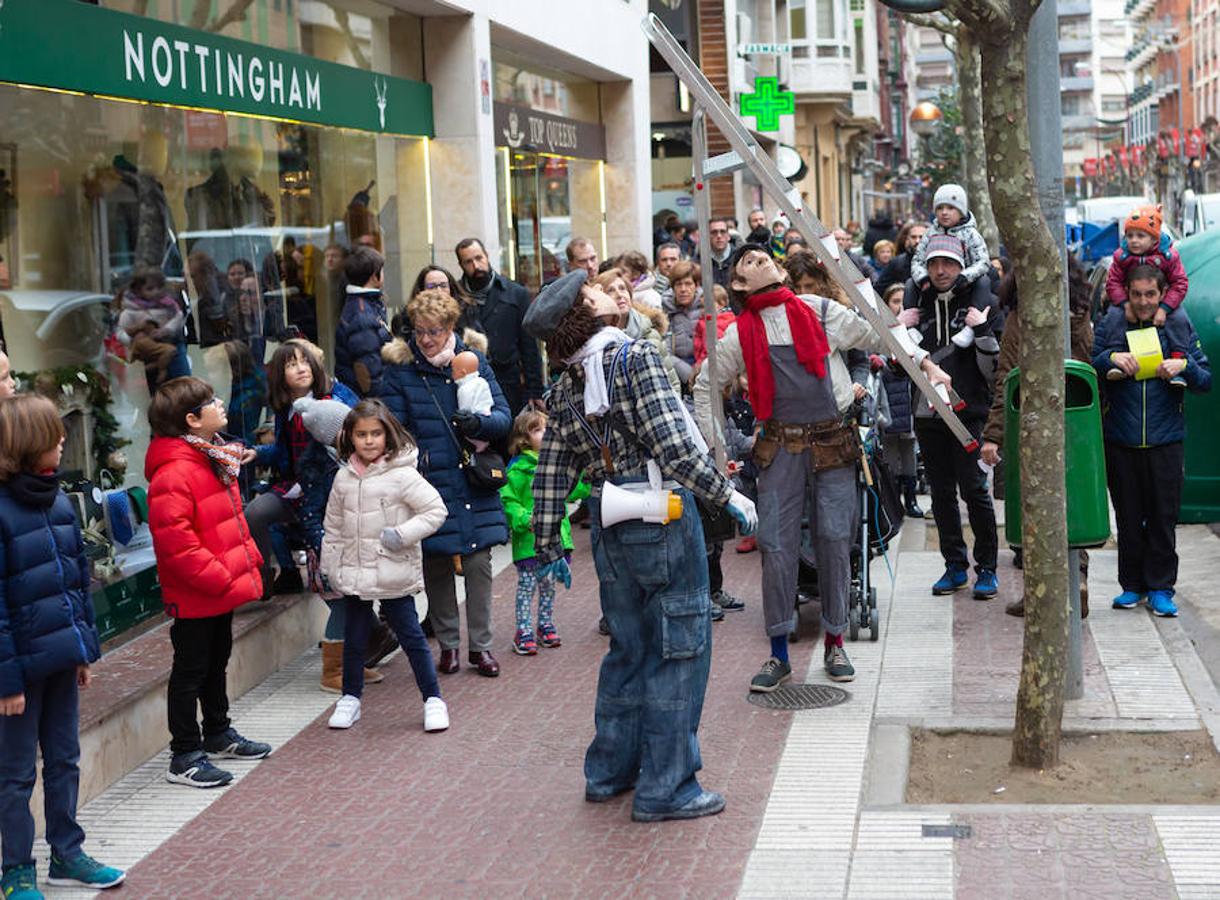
398, 352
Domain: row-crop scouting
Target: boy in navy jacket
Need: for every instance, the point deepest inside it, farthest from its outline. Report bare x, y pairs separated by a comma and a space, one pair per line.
362, 329
47, 642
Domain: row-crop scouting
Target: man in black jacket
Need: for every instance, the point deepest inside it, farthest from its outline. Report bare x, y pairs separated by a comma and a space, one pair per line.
959, 338
513, 354
898, 270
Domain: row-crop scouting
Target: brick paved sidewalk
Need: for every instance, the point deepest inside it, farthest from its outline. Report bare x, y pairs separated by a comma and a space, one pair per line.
495, 806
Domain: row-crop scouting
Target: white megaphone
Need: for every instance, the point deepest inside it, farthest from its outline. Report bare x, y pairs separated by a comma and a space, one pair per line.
652, 505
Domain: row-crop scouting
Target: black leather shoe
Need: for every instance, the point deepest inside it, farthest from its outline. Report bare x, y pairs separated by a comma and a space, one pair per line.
485, 663
382, 643
449, 662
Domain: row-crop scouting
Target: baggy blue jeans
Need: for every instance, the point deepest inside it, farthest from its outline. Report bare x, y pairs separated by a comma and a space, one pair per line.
654, 595
51, 720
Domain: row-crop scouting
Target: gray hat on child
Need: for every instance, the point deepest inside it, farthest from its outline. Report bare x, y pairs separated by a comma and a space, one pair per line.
952, 195
323, 418
552, 304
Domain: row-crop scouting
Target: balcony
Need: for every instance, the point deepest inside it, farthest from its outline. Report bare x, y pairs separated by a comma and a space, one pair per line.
866, 101
1135, 10
1073, 8
818, 77
934, 55
1077, 123
1076, 83
1141, 54
1071, 45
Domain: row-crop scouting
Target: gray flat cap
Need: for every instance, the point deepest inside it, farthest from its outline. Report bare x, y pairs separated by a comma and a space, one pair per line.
552, 303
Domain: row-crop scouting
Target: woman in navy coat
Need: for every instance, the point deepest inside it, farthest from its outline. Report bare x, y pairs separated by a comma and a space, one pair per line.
418, 387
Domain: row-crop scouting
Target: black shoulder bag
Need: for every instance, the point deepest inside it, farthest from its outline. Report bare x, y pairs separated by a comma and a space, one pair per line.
484, 469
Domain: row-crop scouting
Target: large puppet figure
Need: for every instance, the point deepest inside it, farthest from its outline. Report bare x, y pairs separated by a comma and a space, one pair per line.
614, 416
803, 446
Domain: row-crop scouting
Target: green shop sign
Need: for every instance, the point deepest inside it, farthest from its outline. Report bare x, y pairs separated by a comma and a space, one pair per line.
76, 46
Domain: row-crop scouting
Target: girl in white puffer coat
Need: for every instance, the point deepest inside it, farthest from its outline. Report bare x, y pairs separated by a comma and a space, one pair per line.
380, 509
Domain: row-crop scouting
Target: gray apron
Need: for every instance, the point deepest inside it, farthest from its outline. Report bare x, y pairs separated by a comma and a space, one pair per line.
803, 398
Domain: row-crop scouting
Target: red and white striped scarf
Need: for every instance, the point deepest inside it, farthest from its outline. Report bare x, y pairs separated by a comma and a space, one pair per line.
227, 457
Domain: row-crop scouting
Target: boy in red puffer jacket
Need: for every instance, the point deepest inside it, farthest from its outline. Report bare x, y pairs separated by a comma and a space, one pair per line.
208, 565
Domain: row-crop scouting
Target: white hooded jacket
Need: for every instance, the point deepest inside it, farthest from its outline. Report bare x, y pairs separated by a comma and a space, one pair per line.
389, 493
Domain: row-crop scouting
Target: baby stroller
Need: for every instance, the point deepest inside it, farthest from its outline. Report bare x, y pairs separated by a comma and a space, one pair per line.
879, 522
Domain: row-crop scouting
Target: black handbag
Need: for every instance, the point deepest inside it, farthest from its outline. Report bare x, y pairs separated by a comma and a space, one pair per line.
484, 469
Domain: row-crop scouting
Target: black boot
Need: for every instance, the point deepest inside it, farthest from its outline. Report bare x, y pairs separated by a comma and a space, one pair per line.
382, 643
910, 504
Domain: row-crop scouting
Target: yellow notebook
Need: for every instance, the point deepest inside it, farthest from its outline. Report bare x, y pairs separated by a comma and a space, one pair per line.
1145, 345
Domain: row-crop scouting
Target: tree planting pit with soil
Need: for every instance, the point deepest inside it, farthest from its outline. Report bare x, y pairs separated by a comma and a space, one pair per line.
1174, 767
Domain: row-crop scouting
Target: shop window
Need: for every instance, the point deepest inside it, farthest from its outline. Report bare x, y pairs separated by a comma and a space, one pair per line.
235, 227
325, 29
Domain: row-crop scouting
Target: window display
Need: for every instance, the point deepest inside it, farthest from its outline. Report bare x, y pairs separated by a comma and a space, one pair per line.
142, 242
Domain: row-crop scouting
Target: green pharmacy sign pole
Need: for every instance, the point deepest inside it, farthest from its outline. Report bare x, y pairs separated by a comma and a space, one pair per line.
767, 103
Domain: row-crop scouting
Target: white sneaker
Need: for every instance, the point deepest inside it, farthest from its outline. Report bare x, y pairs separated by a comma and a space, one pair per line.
436, 714
347, 712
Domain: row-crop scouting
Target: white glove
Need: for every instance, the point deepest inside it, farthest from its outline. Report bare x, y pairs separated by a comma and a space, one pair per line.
391, 539
742, 509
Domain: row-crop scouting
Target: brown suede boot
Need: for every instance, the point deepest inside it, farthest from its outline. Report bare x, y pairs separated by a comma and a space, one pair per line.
332, 668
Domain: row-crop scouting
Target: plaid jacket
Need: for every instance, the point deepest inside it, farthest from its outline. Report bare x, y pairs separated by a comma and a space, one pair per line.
645, 406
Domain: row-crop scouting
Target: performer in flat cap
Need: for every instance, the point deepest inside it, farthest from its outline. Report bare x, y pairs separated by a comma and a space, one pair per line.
613, 415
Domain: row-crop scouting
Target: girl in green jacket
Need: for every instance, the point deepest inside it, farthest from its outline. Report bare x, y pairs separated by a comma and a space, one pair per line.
517, 495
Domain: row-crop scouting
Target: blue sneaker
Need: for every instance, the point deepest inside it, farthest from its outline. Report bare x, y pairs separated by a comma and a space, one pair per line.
1127, 600
20, 883
232, 745
987, 585
83, 869
1161, 603
952, 580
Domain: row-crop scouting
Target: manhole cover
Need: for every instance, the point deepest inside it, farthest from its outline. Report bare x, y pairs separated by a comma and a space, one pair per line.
800, 696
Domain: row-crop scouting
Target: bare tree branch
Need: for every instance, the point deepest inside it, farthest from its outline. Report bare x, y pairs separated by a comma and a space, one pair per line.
988, 16
235, 13
939, 21
199, 15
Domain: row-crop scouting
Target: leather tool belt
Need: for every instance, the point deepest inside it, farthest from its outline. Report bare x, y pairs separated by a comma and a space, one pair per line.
833, 444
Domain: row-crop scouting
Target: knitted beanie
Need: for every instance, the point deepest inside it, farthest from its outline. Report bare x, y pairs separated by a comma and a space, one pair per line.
952, 195
323, 418
1147, 219
945, 245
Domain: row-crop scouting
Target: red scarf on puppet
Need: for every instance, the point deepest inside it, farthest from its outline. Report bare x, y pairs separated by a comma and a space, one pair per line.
807, 337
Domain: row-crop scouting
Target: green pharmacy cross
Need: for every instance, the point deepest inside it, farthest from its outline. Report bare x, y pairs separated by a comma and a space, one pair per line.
767, 103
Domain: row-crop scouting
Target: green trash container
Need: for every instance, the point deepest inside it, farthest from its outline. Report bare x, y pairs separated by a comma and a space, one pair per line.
1088, 513
1201, 492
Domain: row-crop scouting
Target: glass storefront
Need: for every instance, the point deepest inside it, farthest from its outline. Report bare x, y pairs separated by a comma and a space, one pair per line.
232, 225
550, 169
545, 202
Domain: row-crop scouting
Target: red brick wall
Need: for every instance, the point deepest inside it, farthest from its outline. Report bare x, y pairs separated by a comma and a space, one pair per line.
714, 61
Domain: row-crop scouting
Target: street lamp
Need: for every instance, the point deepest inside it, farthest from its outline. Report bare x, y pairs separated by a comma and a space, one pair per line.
925, 118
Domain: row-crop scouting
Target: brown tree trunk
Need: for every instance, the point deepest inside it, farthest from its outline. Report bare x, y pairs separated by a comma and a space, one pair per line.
1036, 261
974, 156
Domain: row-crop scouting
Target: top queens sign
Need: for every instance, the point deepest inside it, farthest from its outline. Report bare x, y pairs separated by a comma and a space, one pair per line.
76, 46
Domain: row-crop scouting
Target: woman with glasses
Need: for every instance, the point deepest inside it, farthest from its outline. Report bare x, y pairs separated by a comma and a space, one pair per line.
438, 278
418, 387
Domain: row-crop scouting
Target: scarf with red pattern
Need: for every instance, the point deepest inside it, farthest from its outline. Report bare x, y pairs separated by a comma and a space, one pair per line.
227, 457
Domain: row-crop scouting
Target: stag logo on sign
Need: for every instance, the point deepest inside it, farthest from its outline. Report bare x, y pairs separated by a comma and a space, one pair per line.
513, 134
381, 88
